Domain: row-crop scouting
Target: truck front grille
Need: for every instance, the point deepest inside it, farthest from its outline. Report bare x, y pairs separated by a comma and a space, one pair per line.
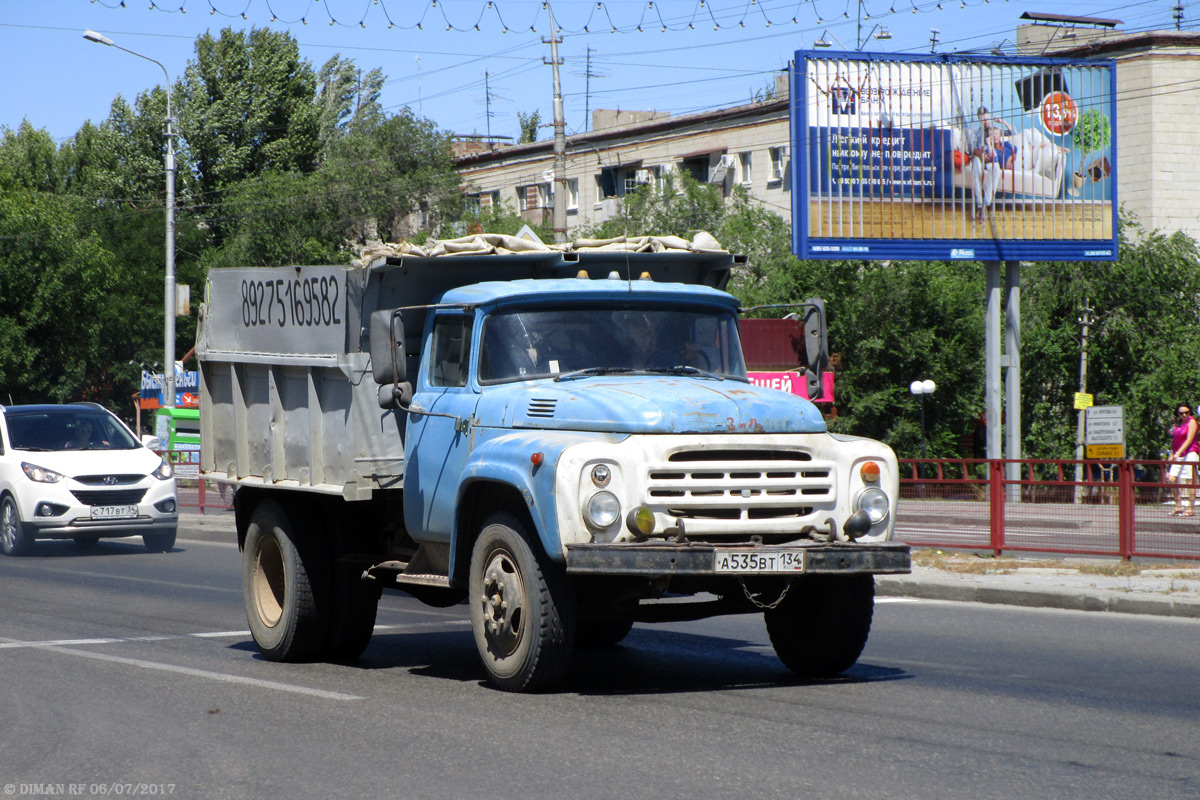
741, 485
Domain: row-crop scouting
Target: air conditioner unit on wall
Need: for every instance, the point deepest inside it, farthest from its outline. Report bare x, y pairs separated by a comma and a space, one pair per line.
721, 169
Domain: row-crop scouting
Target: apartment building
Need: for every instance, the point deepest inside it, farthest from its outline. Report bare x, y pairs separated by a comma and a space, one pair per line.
744, 145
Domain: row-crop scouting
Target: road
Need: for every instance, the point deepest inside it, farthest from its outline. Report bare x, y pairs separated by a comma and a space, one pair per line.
124, 670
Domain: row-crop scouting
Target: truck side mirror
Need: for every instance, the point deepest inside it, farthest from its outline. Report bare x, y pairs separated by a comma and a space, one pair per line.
387, 347
816, 344
395, 395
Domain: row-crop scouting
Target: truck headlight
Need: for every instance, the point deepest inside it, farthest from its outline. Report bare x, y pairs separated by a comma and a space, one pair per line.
602, 510
874, 502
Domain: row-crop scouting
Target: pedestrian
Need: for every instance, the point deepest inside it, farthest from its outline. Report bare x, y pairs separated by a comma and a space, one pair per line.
1185, 452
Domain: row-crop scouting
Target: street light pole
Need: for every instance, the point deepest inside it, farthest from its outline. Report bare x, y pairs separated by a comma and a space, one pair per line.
169, 280
920, 389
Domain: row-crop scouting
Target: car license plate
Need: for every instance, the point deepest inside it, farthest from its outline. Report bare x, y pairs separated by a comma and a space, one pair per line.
758, 562
114, 512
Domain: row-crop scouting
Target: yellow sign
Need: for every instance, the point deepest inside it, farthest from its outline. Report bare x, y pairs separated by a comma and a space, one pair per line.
1106, 451
1083, 401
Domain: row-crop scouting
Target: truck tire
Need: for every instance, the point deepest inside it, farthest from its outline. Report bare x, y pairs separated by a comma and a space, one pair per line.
13, 540
522, 608
821, 626
284, 583
604, 625
355, 604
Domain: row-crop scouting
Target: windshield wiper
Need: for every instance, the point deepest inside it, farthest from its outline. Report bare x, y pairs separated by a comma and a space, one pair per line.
587, 371
686, 370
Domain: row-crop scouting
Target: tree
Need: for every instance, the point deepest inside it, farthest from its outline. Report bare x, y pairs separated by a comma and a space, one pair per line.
346, 99
246, 108
529, 124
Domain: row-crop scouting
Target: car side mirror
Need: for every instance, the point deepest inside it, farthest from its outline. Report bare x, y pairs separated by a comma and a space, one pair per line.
151, 442
387, 347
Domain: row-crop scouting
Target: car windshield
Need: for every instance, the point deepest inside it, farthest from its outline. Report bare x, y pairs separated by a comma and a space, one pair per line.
525, 344
67, 428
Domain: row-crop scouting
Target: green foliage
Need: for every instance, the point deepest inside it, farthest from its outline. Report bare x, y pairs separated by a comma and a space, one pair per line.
683, 206
246, 108
529, 124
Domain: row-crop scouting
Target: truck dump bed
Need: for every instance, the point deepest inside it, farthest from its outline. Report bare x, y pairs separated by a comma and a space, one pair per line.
287, 398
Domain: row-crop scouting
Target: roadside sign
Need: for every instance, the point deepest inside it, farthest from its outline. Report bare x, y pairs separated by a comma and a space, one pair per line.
1104, 425
1105, 451
1083, 401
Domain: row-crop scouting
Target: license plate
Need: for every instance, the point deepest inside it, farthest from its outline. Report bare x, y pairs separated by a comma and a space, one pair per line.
114, 512
758, 562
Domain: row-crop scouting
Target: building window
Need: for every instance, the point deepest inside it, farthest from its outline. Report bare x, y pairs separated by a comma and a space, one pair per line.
778, 163
534, 196
745, 167
572, 194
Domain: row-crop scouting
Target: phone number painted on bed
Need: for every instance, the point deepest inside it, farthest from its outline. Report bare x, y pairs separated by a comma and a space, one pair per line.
306, 302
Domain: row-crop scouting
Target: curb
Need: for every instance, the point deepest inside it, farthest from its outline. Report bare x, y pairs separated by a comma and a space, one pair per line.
1071, 599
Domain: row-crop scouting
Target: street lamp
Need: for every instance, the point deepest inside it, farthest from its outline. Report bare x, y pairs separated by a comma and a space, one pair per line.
169, 281
920, 389
823, 42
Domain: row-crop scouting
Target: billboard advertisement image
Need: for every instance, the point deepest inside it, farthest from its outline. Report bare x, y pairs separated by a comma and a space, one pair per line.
944, 157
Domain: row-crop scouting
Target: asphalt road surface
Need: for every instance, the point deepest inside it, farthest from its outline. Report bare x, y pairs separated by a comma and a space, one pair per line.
132, 674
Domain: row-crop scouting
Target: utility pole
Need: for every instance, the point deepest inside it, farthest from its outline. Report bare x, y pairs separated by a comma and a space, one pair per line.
1085, 321
560, 141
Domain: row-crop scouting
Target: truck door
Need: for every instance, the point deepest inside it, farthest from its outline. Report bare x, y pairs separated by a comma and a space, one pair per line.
439, 440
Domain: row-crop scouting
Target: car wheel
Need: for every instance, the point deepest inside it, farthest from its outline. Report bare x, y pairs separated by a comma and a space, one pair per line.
522, 608
13, 540
159, 542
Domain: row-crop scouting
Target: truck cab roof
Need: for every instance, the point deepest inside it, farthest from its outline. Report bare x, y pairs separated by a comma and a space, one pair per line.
568, 289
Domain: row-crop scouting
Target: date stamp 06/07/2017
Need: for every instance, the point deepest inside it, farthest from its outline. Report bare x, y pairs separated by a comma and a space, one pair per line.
88, 789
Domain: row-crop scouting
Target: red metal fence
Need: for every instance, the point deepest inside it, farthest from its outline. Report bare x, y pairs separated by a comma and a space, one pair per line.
1121, 508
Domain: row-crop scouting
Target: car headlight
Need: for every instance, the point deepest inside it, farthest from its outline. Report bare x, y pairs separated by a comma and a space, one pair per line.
164, 471
41, 474
874, 502
602, 510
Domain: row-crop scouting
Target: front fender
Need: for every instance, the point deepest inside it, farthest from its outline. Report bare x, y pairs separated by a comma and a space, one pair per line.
508, 459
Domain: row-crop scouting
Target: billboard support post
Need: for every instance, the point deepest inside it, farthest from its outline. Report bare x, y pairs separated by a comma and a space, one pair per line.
991, 362
1012, 378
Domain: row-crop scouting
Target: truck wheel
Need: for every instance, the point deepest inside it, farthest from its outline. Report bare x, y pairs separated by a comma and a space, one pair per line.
13, 540
355, 604
282, 582
522, 609
159, 542
821, 627
603, 626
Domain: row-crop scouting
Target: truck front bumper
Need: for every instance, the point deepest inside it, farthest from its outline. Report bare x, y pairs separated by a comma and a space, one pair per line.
659, 559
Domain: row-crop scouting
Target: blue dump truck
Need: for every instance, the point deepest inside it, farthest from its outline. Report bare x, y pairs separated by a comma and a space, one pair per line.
563, 437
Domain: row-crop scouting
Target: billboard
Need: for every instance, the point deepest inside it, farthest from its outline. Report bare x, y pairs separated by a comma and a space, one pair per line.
942, 157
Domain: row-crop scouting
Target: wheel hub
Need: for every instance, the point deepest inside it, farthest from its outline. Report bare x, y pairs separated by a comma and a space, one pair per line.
268, 582
503, 603
8, 526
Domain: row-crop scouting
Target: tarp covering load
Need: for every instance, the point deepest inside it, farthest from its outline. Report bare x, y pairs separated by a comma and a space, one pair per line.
502, 244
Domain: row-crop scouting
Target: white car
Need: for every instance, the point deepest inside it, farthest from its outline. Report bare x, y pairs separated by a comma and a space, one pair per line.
77, 472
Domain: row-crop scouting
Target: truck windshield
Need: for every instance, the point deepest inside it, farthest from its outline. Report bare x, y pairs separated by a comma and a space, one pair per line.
540, 343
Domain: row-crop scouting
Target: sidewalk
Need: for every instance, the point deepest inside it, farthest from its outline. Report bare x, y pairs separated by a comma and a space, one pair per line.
1081, 584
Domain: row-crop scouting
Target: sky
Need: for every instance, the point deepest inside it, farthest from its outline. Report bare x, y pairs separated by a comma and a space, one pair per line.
688, 56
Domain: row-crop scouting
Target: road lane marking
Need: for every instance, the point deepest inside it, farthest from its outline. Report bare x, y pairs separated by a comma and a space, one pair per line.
209, 675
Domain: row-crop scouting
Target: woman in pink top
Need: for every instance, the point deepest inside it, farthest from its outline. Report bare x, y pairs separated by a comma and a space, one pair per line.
1185, 451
